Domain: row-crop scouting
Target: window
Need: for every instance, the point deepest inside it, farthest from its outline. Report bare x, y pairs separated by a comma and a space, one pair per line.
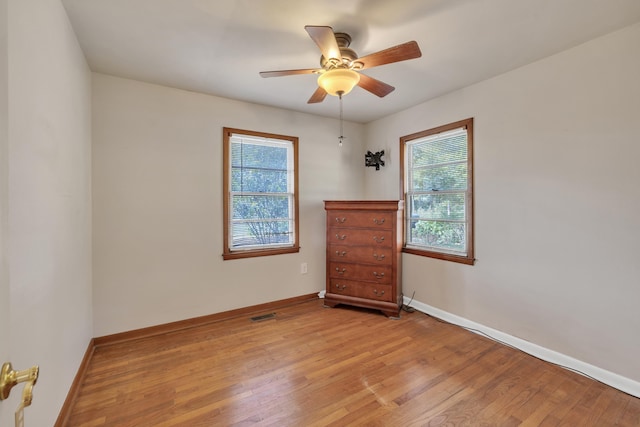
437, 181
260, 194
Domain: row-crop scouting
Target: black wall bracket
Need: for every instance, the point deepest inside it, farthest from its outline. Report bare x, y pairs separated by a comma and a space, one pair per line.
374, 159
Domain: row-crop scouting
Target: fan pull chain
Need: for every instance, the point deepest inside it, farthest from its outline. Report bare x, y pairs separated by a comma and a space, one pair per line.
341, 137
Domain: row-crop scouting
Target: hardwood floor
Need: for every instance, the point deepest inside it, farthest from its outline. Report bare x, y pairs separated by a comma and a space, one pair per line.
316, 366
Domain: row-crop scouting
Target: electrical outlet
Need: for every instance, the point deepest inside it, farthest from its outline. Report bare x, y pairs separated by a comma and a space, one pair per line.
303, 268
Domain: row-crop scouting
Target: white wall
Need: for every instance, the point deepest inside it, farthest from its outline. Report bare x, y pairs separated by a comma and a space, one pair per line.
48, 204
5, 319
557, 202
157, 194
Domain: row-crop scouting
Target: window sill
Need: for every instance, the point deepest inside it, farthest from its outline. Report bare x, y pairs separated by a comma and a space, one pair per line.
469, 260
259, 252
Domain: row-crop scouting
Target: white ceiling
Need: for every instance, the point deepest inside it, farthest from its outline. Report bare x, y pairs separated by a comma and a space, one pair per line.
218, 47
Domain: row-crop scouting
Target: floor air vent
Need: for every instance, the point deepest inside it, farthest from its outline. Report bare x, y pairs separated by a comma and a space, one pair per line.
263, 317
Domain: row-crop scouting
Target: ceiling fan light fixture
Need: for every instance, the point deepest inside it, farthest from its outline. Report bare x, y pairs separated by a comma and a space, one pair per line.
338, 81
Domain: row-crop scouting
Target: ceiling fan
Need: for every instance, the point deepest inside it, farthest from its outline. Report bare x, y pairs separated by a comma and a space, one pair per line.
340, 65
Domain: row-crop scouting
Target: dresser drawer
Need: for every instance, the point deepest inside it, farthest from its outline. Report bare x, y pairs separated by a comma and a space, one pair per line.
376, 254
369, 291
369, 273
349, 236
360, 219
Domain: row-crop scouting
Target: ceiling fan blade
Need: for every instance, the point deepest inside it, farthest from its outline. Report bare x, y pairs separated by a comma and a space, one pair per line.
281, 73
326, 41
318, 96
375, 86
401, 52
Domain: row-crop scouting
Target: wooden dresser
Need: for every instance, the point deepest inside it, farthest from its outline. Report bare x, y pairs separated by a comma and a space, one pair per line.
364, 264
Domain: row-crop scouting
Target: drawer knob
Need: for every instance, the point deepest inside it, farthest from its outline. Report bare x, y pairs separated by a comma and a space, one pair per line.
341, 271
343, 287
340, 220
344, 236
378, 275
343, 253
377, 239
375, 291
378, 257
378, 221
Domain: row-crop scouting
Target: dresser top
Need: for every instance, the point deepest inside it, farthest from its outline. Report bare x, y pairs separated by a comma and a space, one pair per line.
363, 204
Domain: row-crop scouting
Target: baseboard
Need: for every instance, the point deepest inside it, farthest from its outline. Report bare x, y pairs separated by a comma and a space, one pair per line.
612, 379
63, 416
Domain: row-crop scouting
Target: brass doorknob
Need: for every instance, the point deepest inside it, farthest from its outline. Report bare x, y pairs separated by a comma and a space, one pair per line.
9, 378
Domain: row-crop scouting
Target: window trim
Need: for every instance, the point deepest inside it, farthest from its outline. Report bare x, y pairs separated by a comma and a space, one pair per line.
226, 151
469, 258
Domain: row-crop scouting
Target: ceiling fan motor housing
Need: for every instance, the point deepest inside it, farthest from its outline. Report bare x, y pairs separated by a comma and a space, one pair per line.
348, 55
